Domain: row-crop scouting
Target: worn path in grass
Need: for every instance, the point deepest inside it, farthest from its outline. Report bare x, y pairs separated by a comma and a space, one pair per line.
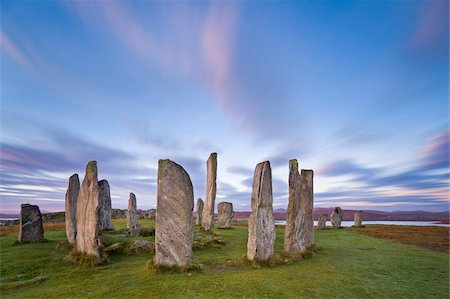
348, 265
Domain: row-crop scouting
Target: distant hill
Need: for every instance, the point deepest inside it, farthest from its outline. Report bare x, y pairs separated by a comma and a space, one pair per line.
371, 215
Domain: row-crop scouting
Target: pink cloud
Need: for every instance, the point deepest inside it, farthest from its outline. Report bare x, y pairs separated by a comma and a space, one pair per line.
217, 45
13, 50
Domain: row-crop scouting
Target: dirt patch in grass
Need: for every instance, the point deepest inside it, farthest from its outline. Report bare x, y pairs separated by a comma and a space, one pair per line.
431, 237
14, 229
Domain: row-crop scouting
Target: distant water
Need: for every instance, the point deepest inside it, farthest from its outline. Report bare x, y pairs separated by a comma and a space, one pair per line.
8, 218
350, 223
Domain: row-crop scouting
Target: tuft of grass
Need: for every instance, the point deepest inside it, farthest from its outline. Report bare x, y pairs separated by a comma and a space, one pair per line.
20, 283
17, 242
206, 239
194, 267
83, 259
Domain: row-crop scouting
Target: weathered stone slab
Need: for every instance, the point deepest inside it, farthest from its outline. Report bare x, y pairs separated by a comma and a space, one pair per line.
30, 224
307, 199
322, 222
358, 217
261, 224
225, 214
105, 206
336, 217
71, 208
132, 223
295, 230
200, 205
208, 209
174, 230
88, 205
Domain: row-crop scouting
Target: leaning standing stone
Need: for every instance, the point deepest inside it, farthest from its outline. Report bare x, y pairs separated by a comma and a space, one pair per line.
336, 217
105, 205
174, 229
322, 222
199, 211
132, 223
211, 176
358, 218
30, 224
307, 199
71, 208
295, 230
261, 224
88, 205
225, 214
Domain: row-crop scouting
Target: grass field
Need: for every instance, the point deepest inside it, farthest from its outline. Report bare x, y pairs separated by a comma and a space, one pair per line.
347, 265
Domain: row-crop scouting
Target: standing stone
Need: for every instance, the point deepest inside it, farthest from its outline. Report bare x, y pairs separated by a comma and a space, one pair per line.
88, 205
358, 218
132, 223
71, 208
261, 224
30, 228
200, 205
225, 214
322, 222
105, 205
336, 217
295, 230
211, 176
307, 199
174, 229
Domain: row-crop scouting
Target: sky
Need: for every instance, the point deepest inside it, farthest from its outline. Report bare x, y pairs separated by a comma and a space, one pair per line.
358, 91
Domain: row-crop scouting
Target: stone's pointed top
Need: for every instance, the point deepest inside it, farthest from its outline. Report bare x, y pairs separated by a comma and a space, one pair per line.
74, 177
91, 169
163, 162
293, 162
213, 154
132, 195
103, 184
307, 171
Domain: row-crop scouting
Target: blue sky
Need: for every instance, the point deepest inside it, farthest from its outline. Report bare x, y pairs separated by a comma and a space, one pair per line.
356, 90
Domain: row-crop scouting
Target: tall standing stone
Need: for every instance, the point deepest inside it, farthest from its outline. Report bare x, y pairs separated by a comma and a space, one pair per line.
225, 214
307, 199
261, 224
132, 223
105, 205
336, 217
295, 230
30, 224
71, 208
200, 205
322, 222
211, 176
174, 229
88, 205
358, 217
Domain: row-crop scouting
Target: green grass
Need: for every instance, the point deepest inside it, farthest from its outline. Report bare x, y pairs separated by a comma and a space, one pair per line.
346, 265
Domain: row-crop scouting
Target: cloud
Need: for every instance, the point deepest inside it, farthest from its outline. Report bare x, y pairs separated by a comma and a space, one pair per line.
436, 152
13, 50
240, 170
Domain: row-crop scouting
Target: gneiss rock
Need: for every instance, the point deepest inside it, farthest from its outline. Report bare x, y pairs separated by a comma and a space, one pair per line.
174, 227
295, 230
225, 214
88, 205
105, 206
132, 223
71, 208
30, 228
261, 224
211, 176
307, 199
322, 222
336, 217
199, 211
358, 218
142, 246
